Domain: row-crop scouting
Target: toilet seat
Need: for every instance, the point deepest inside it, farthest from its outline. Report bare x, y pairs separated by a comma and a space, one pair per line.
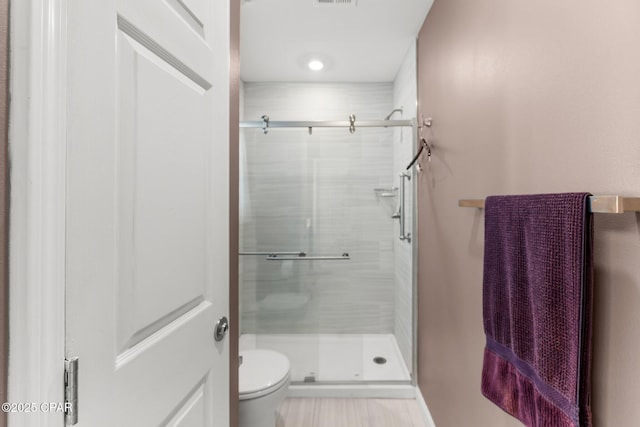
261, 372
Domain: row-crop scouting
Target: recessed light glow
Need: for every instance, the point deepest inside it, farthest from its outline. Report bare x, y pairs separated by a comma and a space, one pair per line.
315, 65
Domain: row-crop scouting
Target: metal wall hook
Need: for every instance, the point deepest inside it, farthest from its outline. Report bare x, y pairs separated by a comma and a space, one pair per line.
424, 145
424, 123
352, 123
427, 146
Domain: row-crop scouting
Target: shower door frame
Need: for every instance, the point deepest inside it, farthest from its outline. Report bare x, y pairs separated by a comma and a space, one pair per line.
266, 124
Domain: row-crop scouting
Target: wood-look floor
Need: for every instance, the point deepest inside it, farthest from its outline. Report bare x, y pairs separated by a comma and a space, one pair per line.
324, 412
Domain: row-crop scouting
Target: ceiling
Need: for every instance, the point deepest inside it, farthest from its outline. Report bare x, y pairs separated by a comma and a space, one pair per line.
362, 43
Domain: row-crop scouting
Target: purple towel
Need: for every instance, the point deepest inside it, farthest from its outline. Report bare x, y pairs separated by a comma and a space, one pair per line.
537, 299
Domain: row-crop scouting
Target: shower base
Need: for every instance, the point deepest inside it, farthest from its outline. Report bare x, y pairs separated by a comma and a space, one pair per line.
328, 365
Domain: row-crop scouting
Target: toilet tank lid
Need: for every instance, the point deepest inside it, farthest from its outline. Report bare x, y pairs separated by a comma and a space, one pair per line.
261, 369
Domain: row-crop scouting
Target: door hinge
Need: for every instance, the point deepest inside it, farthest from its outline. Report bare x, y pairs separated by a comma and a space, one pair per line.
71, 391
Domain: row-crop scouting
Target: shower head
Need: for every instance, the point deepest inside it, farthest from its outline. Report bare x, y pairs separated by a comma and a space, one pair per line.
391, 113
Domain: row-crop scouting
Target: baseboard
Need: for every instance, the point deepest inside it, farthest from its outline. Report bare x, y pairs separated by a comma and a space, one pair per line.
353, 391
424, 408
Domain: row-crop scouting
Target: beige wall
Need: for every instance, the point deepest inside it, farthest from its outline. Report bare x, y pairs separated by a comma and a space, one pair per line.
527, 97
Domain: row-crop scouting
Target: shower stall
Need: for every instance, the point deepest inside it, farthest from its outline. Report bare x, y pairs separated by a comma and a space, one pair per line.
327, 261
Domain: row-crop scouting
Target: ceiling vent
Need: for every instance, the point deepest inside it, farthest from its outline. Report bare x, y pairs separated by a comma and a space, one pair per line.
323, 3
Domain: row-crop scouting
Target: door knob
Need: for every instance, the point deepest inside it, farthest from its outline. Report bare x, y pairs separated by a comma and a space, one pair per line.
222, 326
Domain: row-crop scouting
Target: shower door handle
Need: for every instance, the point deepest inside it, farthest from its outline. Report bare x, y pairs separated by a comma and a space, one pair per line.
404, 177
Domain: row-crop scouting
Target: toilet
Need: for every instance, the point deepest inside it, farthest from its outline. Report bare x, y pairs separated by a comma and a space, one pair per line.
263, 385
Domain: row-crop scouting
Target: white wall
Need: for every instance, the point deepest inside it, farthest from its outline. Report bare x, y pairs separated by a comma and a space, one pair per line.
405, 96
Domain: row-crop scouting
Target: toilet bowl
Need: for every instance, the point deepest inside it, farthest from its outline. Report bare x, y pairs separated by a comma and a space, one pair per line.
263, 385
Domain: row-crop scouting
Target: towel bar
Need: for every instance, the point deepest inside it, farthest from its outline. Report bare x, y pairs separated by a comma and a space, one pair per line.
344, 256
296, 253
597, 204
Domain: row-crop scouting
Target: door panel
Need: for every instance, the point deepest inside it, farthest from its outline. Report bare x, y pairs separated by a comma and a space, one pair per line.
170, 25
191, 411
198, 8
147, 206
152, 380
193, 13
161, 199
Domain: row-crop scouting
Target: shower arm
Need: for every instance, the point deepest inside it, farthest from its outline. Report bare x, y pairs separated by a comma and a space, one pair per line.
394, 111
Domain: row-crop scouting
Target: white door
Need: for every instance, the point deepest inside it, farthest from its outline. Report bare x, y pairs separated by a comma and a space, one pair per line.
147, 210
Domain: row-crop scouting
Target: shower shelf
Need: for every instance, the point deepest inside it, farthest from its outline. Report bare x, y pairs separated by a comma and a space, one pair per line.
386, 192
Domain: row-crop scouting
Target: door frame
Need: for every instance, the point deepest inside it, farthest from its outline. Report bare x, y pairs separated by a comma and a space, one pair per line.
4, 201
37, 233
37, 146
234, 226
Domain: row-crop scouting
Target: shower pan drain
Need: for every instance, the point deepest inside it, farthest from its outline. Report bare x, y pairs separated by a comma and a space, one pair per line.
379, 360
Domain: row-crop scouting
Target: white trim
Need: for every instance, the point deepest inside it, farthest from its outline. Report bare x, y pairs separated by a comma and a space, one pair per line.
426, 415
37, 144
369, 391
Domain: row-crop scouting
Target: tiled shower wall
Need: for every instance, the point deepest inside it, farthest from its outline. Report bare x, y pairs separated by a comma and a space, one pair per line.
405, 96
315, 193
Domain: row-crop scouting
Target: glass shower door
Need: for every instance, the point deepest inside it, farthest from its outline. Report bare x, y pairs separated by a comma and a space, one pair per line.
317, 274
